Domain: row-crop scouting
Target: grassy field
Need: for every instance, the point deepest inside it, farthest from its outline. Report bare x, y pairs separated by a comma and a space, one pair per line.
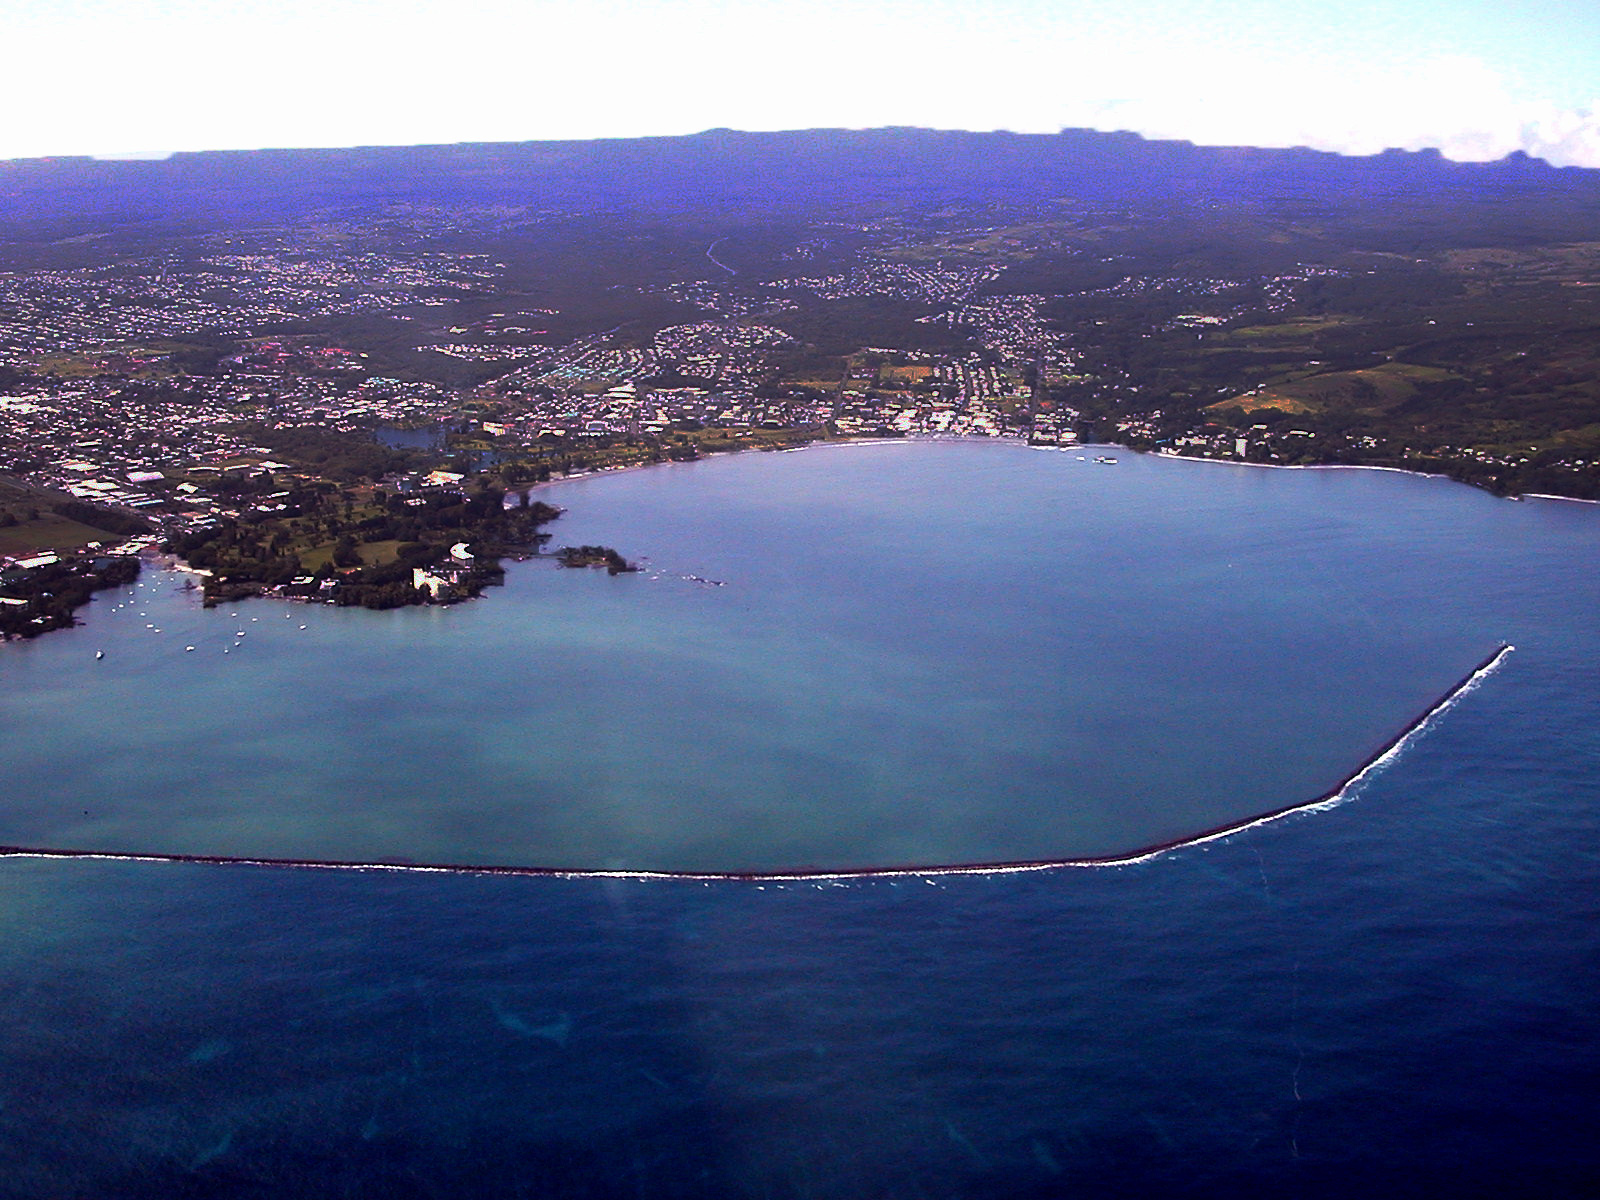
1002, 246
1299, 328
49, 532
126, 360
38, 528
373, 554
1572, 262
376, 554
1373, 389
908, 374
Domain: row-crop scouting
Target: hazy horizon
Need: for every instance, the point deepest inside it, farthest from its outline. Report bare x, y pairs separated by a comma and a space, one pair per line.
163, 155
109, 79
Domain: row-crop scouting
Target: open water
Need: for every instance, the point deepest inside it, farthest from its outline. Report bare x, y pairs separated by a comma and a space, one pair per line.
1393, 994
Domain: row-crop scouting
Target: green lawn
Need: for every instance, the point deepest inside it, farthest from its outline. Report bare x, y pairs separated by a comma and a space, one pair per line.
49, 532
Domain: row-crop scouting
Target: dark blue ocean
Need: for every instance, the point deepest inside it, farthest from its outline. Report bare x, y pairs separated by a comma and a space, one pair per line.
1393, 995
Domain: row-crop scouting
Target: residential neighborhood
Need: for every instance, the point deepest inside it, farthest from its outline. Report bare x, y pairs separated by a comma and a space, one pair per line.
172, 391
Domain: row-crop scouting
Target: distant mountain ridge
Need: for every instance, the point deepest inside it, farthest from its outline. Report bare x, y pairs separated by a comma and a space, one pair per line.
725, 168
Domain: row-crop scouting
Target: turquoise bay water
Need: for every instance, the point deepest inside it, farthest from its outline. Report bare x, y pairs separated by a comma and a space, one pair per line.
845, 657
1391, 997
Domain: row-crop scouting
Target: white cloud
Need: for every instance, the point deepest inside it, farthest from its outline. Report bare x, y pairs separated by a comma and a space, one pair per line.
1568, 137
1458, 105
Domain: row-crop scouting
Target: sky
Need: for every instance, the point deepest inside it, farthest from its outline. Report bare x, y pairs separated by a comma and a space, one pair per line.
1474, 79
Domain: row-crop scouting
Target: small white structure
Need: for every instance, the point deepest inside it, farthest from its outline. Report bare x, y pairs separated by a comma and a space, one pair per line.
426, 581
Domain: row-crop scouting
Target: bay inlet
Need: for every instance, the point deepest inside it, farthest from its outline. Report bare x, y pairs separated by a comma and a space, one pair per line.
939, 655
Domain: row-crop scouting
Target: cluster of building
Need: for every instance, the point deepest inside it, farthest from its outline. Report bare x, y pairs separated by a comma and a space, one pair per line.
107, 418
100, 443
722, 300
231, 295
1221, 300
724, 351
377, 400
930, 283
630, 410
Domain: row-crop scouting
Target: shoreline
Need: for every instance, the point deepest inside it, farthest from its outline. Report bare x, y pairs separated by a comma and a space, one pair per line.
1233, 462
1329, 799
818, 444
959, 439
1553, 496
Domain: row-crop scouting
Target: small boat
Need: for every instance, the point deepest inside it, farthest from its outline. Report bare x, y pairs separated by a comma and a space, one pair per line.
99, 654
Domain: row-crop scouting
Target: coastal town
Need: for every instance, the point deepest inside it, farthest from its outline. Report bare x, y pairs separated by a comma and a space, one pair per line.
276, 374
